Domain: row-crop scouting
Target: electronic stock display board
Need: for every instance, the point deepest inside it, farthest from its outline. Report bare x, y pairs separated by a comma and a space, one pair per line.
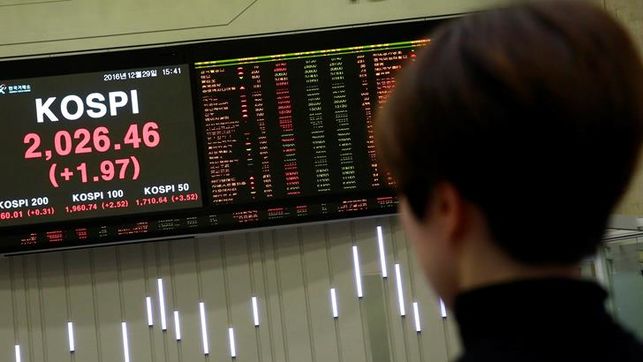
196, 138
90, 145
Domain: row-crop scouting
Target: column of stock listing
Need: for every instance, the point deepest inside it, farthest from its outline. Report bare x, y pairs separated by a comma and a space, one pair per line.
292, 134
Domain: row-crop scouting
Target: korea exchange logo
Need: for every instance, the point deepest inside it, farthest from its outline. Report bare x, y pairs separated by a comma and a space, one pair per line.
3, 88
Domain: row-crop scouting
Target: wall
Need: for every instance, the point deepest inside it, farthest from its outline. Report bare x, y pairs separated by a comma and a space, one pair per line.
47, 26
289, 270
630, 13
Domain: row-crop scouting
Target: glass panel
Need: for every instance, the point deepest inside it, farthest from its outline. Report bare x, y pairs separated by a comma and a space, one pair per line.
625, 267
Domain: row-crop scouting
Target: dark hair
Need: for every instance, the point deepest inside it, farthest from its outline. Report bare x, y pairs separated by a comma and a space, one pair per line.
534, 112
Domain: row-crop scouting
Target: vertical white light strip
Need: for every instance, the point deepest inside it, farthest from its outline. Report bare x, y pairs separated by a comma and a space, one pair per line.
416, 314
204, 329
358, 272
70, 337
162, 304
18, 356
233, 346
150, 317
177, 325
443, 309
380, 244
255, 311
400, 292
333, 303
125, 341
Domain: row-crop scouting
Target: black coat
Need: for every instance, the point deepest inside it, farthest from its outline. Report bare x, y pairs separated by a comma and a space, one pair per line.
547, 320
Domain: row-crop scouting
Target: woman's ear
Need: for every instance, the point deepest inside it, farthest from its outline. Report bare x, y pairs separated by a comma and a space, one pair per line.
448, 210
